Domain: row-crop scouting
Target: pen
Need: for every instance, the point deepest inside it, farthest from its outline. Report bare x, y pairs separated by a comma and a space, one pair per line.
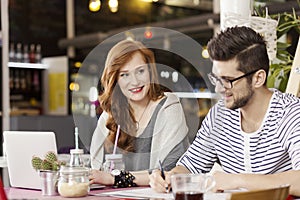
163, 174
161, 170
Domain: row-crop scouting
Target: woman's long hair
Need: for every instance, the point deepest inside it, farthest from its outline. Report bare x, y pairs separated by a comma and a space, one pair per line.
112, 99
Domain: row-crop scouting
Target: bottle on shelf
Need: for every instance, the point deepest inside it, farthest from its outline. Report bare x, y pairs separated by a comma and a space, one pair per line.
19, 55
24, 82
25, 54
38, 54
12, 53
32, 53
36, 81
29, 80
16, 80
23, 85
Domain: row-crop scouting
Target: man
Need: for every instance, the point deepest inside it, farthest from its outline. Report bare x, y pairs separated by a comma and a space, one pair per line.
253, 131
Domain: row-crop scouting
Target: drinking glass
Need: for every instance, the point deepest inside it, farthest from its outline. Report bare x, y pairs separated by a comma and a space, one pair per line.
191, 186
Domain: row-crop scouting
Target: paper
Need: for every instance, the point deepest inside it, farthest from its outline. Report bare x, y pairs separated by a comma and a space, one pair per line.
152, 194
142, 193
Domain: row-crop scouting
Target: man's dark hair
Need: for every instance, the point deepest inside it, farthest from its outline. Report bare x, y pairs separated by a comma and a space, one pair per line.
243, 44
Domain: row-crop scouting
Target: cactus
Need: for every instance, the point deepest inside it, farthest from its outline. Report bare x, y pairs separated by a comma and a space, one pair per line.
46, 165
49, 163
36, 162
51, 157
55, 166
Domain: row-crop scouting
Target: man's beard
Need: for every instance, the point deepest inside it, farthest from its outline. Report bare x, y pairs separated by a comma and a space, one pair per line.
241, 101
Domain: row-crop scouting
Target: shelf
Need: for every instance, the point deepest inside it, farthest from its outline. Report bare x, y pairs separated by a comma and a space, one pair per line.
27, 65
196, 95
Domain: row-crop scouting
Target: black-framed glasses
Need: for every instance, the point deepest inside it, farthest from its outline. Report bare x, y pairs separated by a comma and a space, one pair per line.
227, 83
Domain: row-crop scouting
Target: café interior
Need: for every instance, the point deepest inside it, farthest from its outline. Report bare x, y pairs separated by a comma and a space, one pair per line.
50, 78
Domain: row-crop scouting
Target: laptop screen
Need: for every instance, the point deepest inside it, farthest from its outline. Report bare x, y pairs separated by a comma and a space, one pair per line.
20, 146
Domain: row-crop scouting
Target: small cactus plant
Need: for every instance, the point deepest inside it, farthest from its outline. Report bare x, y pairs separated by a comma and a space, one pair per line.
51, 157
50, 162
36, 162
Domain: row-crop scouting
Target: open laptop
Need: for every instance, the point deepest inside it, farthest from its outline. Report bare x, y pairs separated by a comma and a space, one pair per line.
20, 146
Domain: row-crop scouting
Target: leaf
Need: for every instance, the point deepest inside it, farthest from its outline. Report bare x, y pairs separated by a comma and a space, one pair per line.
286, 22
282, 45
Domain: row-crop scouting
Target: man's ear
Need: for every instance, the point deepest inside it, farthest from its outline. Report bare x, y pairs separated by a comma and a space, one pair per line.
259, 78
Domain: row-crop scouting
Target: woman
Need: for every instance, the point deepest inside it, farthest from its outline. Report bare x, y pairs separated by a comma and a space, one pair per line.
152, 123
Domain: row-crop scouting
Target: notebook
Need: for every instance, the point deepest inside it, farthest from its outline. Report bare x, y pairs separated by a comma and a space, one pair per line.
20, 146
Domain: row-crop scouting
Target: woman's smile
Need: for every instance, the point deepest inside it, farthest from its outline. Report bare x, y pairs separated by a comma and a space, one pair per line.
136, 90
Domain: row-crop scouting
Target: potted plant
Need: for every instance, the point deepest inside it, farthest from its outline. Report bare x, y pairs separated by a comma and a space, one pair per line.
48, 168
280, 67
49, 163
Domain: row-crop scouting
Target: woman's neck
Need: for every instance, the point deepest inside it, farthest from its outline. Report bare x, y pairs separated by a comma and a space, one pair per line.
139, 105
142, 113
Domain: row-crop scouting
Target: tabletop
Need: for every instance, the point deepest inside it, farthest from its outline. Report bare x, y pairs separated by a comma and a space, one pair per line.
29, 194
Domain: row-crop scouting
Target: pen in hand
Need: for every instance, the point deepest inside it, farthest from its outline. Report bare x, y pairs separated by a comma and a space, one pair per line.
163, 174
161, 170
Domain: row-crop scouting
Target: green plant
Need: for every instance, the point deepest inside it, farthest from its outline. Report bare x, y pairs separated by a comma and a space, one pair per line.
281, 67
50, 162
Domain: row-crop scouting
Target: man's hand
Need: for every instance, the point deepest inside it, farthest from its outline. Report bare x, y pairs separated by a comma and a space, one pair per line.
161, 185
158, 183
225, 181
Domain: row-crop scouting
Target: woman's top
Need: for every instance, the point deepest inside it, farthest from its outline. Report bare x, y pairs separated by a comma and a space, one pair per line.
164, 138
140, 159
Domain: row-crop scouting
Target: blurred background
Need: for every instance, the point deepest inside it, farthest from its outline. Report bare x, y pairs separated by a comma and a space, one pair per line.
49, 42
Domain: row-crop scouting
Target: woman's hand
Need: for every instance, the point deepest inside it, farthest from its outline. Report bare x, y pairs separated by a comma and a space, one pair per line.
100, 177
158, 183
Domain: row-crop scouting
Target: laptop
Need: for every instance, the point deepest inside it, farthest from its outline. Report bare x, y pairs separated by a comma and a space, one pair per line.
20, 146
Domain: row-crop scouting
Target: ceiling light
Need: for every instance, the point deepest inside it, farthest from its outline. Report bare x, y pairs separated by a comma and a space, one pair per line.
129, 35
94, 5
205, 53
148, 34
113, 5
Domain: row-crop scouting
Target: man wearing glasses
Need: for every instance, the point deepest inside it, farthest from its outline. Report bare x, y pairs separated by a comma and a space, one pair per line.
253, 131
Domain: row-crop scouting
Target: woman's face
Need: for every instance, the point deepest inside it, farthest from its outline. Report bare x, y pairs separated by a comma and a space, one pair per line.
134, 79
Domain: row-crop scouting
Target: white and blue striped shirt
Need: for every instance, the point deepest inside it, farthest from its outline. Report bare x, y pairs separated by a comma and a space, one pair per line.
274, 147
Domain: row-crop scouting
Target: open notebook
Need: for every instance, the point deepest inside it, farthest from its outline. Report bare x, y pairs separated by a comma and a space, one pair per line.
20, 146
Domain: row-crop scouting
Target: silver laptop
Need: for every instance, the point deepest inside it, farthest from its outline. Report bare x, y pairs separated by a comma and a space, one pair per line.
20, 146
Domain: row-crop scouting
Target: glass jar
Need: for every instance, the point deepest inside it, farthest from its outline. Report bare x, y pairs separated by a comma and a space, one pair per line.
76, 158
113, 161
73, 181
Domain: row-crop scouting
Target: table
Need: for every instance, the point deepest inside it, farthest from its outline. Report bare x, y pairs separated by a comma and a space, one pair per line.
18, 193
28, 194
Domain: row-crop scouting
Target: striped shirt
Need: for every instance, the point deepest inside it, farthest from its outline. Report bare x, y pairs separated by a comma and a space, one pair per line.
274, 147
